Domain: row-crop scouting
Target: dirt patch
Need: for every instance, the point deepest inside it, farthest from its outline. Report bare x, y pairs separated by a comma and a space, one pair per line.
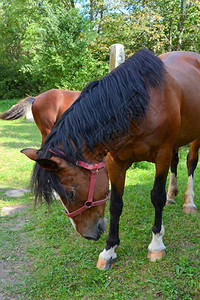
11, 210
16, 193
13, 264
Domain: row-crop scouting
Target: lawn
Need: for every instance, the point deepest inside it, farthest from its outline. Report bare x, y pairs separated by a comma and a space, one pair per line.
44, 258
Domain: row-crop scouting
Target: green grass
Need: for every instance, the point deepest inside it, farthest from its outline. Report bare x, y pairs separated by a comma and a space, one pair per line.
53, 262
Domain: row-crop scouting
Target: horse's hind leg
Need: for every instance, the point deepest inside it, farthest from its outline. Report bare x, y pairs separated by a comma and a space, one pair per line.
192, 160
173, 189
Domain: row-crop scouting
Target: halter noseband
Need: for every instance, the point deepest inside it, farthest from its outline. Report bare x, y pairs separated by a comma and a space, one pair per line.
93, 168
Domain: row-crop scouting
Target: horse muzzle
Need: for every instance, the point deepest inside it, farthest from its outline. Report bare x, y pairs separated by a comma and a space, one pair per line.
96, 232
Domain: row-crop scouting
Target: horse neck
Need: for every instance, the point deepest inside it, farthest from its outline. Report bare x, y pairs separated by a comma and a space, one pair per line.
100, 152
95, 156
113, 146
120, 141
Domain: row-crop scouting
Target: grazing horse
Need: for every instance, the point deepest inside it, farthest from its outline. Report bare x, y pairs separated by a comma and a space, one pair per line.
142, 110
50, 105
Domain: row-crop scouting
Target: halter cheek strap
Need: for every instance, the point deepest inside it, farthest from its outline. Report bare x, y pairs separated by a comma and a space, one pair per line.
93, 168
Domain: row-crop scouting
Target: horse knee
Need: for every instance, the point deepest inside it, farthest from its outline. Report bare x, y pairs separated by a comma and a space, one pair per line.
116, 203
116, 208
158, 198
191, 164
174, 162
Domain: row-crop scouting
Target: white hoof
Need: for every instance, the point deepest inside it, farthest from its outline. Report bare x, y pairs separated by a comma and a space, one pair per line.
156, 255
156, 247
189, 208
107, 259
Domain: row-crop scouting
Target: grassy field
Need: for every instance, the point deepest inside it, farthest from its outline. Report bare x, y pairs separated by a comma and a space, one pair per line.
42, 257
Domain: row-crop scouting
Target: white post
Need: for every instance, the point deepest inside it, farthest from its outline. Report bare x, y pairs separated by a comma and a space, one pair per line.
117, 56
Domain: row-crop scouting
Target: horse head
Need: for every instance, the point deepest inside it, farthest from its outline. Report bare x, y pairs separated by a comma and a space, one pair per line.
83, 190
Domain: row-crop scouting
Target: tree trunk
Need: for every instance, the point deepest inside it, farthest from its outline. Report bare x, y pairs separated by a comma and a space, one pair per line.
91, 10
169, 47
183, 16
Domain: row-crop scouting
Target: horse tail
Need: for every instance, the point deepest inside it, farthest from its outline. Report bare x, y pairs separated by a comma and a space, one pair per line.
18, 110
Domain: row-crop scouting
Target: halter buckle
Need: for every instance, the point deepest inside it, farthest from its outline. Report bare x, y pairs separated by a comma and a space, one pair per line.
88, 204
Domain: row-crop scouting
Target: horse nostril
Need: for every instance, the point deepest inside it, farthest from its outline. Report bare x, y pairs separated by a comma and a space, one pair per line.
101, 228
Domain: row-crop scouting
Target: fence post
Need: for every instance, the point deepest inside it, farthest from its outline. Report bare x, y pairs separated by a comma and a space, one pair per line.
117, 56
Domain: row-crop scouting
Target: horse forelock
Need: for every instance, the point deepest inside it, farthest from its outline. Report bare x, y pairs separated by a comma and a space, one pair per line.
105, 107
44, 183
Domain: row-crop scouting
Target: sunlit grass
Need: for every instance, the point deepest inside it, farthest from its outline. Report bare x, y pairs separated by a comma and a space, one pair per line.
62, 265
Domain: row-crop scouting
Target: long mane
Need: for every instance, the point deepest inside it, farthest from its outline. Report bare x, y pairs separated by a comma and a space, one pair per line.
103, 111
105, 107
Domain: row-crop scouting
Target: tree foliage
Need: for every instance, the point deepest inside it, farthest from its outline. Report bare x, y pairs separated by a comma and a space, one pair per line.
46, 45
66, 43
161, 26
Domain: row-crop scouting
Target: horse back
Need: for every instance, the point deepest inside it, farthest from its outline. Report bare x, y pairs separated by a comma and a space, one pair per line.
49, 106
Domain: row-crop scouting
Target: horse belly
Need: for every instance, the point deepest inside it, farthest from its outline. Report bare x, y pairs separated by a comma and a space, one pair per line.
187, 134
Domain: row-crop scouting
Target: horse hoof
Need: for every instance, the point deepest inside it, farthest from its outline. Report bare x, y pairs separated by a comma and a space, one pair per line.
189, 209
103, 264
170, 202
156, 255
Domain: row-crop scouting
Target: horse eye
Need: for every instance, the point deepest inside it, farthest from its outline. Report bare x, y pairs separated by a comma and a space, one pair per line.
71, 195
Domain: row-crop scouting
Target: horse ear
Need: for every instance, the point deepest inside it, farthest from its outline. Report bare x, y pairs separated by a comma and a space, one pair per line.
30, 153
47, 164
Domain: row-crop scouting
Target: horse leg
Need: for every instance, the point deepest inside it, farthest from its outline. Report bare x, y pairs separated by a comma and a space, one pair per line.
192, 160
158, 199
117, 173
173, 189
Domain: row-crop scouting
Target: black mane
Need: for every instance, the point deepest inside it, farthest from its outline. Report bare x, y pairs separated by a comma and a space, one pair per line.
103, 110
106, 107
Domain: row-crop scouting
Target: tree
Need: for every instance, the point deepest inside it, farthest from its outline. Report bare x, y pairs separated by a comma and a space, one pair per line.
58, 49
159, 25
66, 43
181, 23
12, 29
50, 48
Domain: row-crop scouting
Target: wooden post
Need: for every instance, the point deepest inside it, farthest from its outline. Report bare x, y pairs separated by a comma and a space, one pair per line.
117, 56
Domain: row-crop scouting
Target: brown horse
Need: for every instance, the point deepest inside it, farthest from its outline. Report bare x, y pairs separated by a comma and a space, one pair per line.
50, 105
142, 110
